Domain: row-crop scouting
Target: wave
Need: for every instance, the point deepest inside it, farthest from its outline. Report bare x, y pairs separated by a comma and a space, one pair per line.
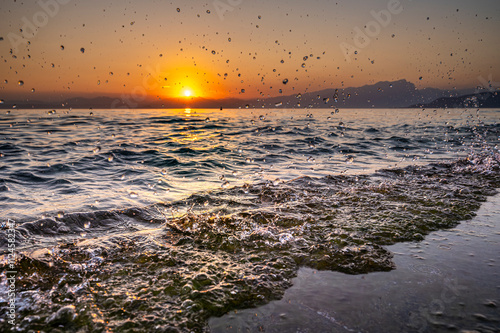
171, 266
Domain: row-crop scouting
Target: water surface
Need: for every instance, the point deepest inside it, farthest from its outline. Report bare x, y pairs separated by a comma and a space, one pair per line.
158, 220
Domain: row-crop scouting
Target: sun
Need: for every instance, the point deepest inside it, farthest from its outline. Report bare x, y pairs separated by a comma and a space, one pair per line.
187, 92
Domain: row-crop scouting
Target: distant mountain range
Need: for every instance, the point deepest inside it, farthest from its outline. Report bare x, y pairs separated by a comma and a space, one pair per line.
397, 94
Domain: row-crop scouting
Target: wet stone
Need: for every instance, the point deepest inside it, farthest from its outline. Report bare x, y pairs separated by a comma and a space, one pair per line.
63, 316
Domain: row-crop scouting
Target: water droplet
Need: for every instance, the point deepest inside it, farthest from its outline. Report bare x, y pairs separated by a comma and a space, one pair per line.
5, 81
133, 195
20, 83
32, 90
213, 52
110, 158
208, 11
305, 58
62, 47
225, 184
82, 50
285, 81
96, 150
349, 160
2, 101
207, 120
178, 10
229, 39
262, 118
285, 237
243, 91
86, 225
60, 215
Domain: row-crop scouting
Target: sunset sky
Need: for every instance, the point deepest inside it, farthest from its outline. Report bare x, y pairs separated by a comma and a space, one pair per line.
241, 48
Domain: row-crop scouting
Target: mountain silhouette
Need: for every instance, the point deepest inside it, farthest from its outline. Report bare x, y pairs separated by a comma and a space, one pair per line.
479, 100
385, 94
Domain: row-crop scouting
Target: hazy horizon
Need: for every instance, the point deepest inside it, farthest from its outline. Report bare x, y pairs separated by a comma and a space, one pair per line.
62, 96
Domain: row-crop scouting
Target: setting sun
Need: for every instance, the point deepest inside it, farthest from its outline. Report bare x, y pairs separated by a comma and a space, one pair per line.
187, 93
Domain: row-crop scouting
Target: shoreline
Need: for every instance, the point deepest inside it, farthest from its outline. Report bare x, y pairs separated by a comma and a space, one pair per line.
449, 282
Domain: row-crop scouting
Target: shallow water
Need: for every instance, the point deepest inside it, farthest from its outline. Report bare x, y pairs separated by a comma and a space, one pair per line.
450, 282
158, 220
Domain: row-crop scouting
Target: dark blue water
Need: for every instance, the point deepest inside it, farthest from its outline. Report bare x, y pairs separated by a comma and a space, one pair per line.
157, 220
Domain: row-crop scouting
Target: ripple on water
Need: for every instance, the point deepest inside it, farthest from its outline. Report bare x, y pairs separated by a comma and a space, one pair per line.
174, 265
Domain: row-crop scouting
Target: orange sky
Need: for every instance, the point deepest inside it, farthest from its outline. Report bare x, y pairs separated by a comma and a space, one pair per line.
241, 48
